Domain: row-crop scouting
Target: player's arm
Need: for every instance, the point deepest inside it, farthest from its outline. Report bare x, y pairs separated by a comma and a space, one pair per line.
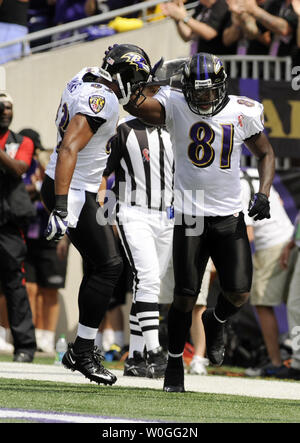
146, 108
259, 145
76, 137
102, 190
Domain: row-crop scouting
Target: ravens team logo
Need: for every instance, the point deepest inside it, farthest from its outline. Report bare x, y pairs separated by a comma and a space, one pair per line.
218, 65
96, 103
137, 60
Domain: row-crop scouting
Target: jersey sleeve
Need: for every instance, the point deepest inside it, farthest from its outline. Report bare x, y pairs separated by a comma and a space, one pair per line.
251, 117
25, 151
164, 98
94, 102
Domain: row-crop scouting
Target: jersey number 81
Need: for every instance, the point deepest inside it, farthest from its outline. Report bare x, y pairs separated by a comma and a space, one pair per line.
201, 152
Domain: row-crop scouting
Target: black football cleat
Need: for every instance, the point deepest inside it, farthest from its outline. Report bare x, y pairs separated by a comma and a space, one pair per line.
135, 366
156, 363
89, 364
174, 377
214, 335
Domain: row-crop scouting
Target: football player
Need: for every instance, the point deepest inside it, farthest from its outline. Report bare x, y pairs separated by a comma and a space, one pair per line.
207, 128
86, 120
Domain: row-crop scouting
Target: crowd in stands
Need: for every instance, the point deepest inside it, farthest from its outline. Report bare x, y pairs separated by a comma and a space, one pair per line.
260, 27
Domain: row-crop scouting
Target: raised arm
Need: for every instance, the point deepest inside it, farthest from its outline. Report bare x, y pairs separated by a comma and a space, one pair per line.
146, 108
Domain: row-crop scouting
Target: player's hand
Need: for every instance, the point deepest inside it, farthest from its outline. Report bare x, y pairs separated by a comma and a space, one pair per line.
57, 225
259, 207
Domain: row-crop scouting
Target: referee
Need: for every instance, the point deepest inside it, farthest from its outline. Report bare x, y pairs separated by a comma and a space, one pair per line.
142, 160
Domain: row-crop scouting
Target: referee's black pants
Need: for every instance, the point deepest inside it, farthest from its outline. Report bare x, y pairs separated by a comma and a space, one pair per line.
12, 254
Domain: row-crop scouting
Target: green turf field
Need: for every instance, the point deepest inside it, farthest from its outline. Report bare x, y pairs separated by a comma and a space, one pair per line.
147, 404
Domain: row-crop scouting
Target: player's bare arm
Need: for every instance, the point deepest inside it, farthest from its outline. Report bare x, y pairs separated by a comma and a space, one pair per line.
260, 146
146, 108
102, 190
75, 139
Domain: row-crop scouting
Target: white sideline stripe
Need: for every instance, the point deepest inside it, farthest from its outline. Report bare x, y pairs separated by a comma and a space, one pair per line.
213, 384
57, 417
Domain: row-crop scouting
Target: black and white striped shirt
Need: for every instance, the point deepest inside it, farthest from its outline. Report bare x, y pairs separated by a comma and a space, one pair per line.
142, 159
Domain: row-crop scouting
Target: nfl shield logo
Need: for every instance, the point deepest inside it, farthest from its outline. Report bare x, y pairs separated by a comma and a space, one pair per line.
96, 103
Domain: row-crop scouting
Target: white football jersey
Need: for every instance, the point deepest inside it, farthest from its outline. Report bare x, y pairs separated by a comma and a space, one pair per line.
95, 100
207, 152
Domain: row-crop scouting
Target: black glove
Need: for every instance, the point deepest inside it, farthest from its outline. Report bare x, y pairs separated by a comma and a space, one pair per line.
259, 207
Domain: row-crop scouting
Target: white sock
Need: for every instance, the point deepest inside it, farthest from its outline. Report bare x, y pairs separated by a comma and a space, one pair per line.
3, 333
39, 336
136, 343
86, 332
49, 339
98, 340
146, 319
108, 339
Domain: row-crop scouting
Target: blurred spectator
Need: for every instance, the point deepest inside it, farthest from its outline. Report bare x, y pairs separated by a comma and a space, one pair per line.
13, 25
70, 10
296, 8
40, 16
293, 305
242, 30
93, 7
270, 281
280, 19
46, 261
205, 25
5, 335
16, 210
120, 23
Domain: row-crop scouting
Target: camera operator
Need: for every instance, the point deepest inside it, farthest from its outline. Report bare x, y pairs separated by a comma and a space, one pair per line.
15, 212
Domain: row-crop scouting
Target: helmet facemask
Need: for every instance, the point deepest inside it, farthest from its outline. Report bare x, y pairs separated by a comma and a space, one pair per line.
204, 84
205, 100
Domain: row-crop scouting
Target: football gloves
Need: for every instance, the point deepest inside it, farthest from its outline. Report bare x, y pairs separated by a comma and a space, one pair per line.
259, 207
57, 225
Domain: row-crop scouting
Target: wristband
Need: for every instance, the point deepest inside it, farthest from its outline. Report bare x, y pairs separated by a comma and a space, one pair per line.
61, 202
